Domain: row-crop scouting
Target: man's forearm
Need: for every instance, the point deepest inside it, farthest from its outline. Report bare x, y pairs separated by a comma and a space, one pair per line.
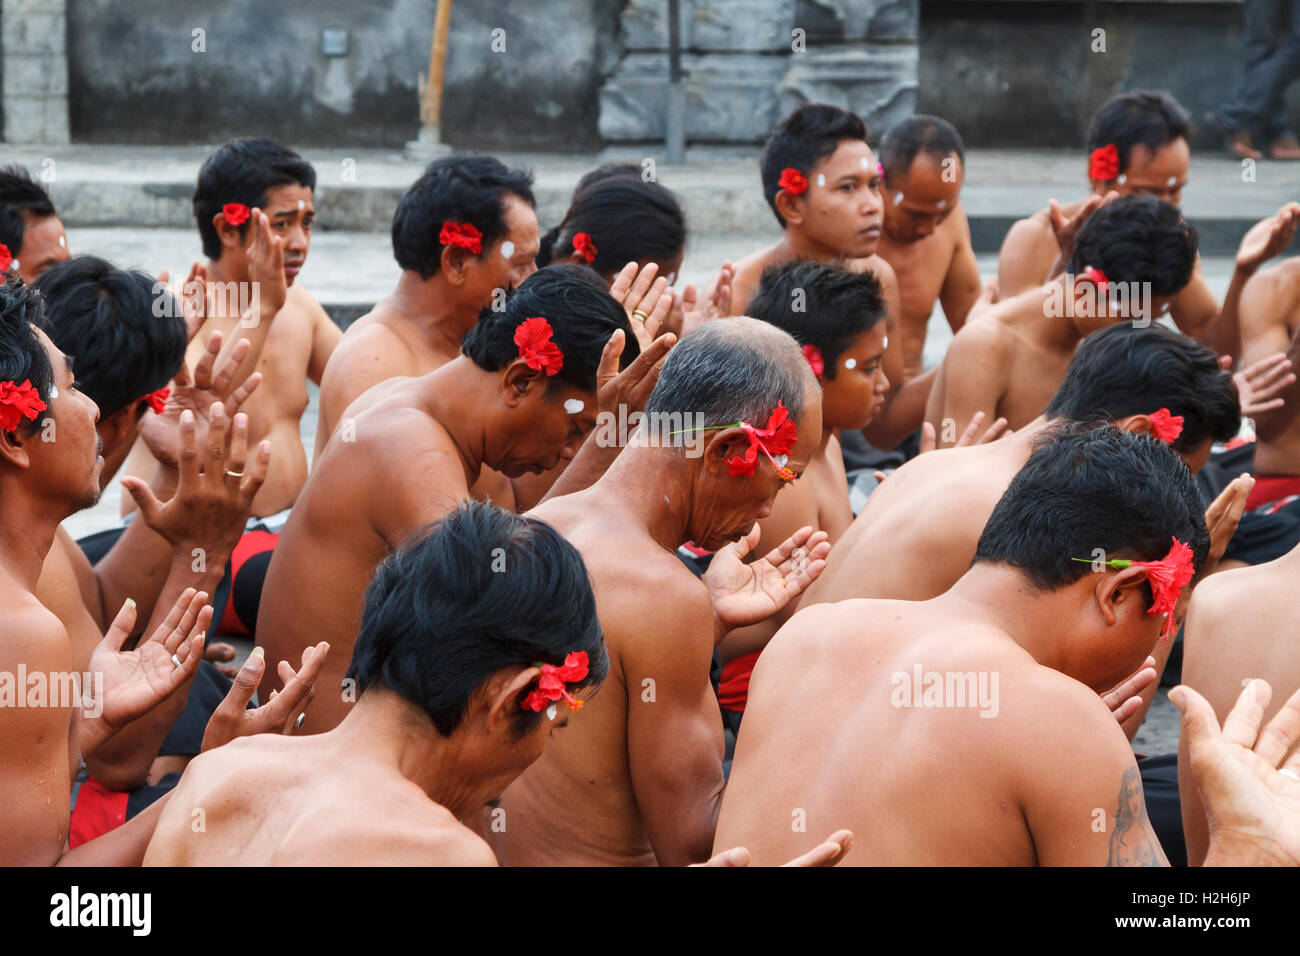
124, 846
1224, 331
137, 565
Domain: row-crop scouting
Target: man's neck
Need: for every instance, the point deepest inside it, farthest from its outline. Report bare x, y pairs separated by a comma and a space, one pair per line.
226, 269
642, 486
429, 305
384, 726
457, 395
797, 245
1055, 332
999, 595
26, 535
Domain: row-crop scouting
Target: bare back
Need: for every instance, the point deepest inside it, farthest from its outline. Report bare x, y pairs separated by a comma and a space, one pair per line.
1270, 316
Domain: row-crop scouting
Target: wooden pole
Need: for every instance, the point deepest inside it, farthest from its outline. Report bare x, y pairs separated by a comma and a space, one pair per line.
431, 88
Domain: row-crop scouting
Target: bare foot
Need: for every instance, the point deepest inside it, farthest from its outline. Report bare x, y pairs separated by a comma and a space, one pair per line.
1284, 147
1239, 144
218, 652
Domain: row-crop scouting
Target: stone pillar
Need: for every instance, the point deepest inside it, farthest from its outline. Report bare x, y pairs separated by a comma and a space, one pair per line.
33, 45
748, 62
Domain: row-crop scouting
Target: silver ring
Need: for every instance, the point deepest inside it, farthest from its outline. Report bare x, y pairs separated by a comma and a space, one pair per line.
176, 660
234, 474
1288, 772
297, 724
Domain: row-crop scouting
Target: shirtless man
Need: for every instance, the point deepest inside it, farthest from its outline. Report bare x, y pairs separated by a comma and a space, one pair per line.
254, 208
1138, 145
410, 449
830, 210
31, 236
1130, 259
126, 354
1220, 655
638, 778
926, 239
841, 333
444, 285
869, 711
446, 666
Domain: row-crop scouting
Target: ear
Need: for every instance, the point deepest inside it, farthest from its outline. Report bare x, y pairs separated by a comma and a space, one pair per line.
454, 264
1137, 424
1119, 592
122, 422
228, 234
15, 448
502, 695
790, 207
722, 444
516, 381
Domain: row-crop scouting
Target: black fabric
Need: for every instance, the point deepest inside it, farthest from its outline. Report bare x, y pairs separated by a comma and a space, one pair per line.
140, 800
1264, 537
95, 546
246, 592
1160, 784
1222, 468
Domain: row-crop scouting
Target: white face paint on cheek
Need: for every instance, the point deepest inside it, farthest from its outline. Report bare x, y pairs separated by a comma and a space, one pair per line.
885, 344
54, 392
550, 711
1171, 180
941, 203
1121, 179
821, 179
851, 363
507, 249
573, 405
14, 265
898, 198
63, 241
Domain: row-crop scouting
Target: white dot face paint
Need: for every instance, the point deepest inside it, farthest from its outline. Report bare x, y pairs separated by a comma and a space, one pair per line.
1122, 179
1171, 180
851, 363
54, 392
573, 405
63, 241
941, 203
507, 249
885, 344
302, 204
821, 179
898, 198
550, 711
14, 265
862, 161
781, 460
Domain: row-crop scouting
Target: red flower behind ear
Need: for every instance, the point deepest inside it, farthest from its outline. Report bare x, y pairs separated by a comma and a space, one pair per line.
1103, 164
814, 356
236, 213
158, 399
6, 258
583, 247
793, 182
1098, 278
462, 235
550, 684
1165, 426
775, 438
1168, 577
18, 402
535, 346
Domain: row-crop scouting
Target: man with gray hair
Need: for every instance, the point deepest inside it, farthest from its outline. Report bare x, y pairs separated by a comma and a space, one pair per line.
638, 779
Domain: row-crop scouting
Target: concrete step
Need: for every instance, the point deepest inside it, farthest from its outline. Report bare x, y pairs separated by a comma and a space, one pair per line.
136, 186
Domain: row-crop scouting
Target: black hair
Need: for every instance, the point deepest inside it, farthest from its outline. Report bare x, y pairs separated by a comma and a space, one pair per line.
125, 331
919, 134
582, 313
1152, 118
801, 140
1085, 488
243, 171
835, 305
22, 356
1138, 239
463, 188
19, 194
1124, 370
627, 218
721, 373
477, 591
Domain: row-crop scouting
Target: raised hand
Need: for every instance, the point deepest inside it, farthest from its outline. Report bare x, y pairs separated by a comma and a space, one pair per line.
197, 394
138, 680
266, 269
744, 594
215, 490
1124, 701
1260, 385
278, 715
1222, 518
632, 386
828, 853
971, 436
1249, 780
646, 299
1065, 229
1268, 237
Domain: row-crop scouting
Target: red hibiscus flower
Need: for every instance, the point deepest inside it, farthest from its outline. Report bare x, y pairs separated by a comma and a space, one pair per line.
1103, 164
793, 182
6, 258
158, 400
550, 685
1166, 427
814, 356
1098, 278
777, 437
236, 213
584, 247
18, 402
462, 235
535, 346
1167, 578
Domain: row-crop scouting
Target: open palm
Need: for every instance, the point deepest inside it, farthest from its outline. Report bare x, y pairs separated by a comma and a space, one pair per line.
744, 594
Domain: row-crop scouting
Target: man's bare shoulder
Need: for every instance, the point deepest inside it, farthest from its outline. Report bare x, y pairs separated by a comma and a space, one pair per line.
988, 341
1272, 294
304, 302
370, 351
30, 633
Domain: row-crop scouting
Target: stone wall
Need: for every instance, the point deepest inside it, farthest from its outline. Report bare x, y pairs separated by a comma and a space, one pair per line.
34, 78
749, 62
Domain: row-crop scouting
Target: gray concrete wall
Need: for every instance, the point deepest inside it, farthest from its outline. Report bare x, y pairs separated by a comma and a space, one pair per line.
1024, 74
138, 75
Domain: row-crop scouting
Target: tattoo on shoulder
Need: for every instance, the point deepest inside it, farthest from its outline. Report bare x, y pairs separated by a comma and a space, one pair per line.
1132, 842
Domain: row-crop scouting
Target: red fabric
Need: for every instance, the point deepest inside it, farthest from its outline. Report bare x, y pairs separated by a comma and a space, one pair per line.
250, 545
733, 684
1270, 488
98, 811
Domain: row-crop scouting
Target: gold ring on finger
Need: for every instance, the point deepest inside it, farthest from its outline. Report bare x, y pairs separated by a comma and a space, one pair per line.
638, 314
